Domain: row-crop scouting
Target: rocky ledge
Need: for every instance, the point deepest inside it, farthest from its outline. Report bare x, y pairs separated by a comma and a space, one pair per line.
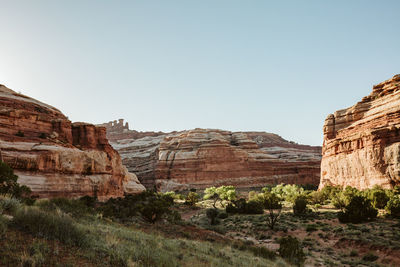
205, 157
55, 157
362, 143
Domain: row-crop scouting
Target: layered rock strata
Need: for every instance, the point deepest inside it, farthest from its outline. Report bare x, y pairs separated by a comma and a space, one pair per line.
55, 157
362, 143
201, 158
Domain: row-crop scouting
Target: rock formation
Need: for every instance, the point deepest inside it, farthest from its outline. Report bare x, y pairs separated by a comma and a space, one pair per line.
204, 157
362, 143
55, 157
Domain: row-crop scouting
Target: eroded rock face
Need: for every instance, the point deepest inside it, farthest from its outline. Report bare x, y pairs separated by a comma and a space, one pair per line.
55, 157
361, 143
201, 158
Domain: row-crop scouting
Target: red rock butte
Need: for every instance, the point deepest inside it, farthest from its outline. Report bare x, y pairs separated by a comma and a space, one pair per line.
362, 143
201, 158
55, 157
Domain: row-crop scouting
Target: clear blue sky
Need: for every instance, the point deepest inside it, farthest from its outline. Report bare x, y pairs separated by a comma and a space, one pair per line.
276, 66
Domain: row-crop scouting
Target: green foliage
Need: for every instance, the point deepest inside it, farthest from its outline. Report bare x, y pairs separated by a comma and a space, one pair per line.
290, 249
287, 192
318, 197
57, 226
340, 199
358, 210
378, 196
274, 206
9, 205
222, 193
9, 184
393, 206
151, 206
243, 207
262, 252
300, 205
74, 207
192, 198
212, 215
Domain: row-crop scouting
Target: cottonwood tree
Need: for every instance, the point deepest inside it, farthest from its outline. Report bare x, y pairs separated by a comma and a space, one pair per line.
222, 193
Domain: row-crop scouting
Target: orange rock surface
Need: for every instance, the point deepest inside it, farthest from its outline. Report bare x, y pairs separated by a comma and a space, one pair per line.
362, 143
201, 158
55, 157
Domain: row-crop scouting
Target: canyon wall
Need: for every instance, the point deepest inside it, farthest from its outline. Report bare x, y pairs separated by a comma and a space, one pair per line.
201, 158
57, 158
362, 143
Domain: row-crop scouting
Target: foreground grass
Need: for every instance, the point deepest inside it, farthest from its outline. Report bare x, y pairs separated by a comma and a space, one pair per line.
101, 242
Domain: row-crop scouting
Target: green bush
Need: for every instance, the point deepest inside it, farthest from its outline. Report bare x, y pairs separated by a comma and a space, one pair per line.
300, 205
212, 215
287, 192
254, 207
9, 205
378, 197
73, 207
290, 249
242, 207
192, 198
9, 184
221, 194
151, 206
50, 225
393, 206
262, 252
358, 210
340, 199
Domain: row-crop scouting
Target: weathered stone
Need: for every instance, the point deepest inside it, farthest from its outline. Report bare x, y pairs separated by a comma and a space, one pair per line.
361, 143
55, 157
204, 157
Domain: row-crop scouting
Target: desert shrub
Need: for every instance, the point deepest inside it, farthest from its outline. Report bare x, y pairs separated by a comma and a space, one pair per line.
262, 252
290, 249
318, 197
300, 205
192, 198
252, 195
223, 215
358, 210
57, 226
254, 207
9, 184
149, 205
73, 207
370, 257
328, 192
243, 207
9, 205
221, 194
393, 206
154, 209
378, 197
274, 206
340, 199
212, 215
287, 192
309, 187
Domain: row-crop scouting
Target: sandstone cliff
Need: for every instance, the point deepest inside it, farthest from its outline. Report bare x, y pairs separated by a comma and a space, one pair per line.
362, 143
55, 157
204, 157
